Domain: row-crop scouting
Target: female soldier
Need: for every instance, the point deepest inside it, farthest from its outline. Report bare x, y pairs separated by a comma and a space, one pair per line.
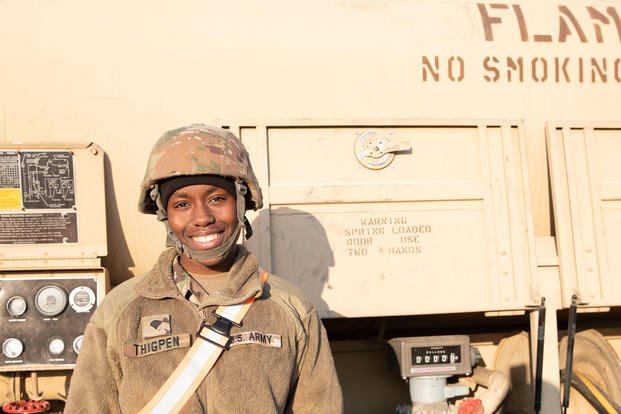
179, 336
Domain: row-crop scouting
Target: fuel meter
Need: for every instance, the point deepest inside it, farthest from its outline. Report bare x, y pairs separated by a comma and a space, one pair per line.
433, 355
427, 362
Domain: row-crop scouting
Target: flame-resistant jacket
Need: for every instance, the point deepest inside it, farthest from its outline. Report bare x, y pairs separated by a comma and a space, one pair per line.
280, 360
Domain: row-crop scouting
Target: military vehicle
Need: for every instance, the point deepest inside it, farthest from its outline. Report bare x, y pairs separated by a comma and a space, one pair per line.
441, 178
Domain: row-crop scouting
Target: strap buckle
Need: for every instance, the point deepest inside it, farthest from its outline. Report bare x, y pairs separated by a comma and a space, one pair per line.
217, 333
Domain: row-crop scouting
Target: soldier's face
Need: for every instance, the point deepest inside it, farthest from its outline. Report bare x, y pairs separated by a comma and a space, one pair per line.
203, 217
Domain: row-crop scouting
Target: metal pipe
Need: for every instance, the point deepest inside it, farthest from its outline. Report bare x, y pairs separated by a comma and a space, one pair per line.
497, 384
539, 356
571, 336
35, 394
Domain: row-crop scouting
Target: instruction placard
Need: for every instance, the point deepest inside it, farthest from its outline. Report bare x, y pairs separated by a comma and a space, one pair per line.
37, 228
37, 197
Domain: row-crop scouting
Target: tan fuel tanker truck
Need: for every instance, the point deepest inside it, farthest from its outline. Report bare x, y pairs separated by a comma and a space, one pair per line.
442, 178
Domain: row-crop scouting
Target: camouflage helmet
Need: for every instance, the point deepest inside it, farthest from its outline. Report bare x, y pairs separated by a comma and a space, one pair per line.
198, 150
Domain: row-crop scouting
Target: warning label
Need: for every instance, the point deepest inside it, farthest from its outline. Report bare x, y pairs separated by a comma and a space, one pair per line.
38, 228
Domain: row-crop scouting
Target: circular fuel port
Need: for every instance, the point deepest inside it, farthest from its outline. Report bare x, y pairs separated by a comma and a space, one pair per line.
16, 306
12, 348
82, 299
77, 344
56, 346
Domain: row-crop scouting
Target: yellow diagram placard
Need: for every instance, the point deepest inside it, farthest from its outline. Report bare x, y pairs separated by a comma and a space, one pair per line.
10, 198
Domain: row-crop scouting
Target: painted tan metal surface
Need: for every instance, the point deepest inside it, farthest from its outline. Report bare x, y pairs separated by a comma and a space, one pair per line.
444, 227
586, 186
71, 78
48, 385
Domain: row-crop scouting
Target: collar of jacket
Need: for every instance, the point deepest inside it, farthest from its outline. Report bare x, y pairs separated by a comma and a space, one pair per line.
244, 282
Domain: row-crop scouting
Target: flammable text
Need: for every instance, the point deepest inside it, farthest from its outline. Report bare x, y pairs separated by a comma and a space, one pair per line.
519, 69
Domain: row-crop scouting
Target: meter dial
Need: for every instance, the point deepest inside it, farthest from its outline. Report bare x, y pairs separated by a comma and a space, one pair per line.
77, 344
16, 306
82, 299
12, 348
51, 300
56, 346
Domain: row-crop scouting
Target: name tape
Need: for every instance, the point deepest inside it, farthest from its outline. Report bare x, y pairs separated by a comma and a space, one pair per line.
154, 346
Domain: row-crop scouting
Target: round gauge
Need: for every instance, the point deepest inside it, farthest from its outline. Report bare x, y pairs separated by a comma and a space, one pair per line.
12, 348
82, 299
16, 306
51, 300
77, 344
56, 346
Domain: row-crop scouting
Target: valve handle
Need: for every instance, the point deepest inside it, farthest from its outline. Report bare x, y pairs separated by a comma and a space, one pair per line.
381, 146
26, 406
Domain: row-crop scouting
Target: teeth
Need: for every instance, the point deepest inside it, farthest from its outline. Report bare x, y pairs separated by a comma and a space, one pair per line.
205, 239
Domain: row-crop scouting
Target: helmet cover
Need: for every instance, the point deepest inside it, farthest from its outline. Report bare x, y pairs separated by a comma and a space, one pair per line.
198, 150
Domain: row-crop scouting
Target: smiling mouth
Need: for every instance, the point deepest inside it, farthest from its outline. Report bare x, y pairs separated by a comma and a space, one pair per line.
206, 239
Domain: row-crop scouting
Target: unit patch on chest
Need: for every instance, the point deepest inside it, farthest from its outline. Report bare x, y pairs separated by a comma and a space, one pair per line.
155, 325
255, 337
164, 343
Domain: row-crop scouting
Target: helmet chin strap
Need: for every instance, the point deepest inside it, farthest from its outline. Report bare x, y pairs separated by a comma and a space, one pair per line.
199, 255
224, 248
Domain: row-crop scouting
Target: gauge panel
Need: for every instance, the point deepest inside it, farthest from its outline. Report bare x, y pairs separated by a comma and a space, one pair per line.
42, 320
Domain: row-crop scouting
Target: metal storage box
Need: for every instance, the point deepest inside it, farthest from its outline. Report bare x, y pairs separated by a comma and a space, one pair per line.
442, 226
